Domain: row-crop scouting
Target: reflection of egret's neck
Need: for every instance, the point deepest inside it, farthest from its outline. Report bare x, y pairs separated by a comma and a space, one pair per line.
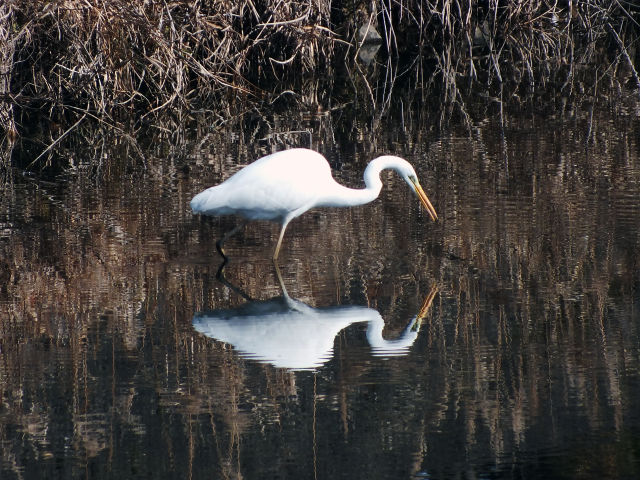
396, 346
401, 344
290, 334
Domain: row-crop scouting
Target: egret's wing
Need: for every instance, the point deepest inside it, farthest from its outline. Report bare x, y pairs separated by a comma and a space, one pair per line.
270, 188
271, 331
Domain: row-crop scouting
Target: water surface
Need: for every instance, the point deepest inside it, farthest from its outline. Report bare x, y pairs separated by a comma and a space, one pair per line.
524, 364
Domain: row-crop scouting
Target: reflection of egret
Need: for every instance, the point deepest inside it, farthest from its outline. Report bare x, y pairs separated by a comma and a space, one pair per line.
284, 185
290, 334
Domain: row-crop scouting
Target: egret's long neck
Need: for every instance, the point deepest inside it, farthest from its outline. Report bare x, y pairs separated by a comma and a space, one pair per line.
341, 196
396, 346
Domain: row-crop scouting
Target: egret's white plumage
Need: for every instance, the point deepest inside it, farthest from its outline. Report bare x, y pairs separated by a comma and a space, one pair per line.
290, 334
284, 185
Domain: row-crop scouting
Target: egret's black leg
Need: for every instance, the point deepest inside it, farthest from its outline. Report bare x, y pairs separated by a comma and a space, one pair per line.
220, 272
221, 278
225, 237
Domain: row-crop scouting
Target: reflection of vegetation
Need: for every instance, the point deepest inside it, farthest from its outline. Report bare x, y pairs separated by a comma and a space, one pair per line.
533, 334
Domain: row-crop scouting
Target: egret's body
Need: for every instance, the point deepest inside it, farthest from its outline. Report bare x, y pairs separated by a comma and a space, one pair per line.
282, 186
290, 334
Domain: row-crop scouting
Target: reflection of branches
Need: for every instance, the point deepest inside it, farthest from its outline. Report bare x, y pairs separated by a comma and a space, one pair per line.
545, 290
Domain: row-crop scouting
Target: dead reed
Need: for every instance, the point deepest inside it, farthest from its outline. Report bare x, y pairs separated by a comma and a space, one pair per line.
116, 55
116, 58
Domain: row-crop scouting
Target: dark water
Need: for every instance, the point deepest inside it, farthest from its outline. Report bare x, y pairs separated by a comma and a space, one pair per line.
515, 317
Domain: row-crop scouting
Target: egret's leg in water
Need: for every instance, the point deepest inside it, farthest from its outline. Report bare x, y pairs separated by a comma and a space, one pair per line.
277, 251
280, 281
226, 236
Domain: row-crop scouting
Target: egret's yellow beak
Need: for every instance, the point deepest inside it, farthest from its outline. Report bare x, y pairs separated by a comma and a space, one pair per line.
424, 199
426, 305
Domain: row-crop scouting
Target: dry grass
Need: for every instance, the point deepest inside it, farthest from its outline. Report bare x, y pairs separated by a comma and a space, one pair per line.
119, 59
118, 55
526, 43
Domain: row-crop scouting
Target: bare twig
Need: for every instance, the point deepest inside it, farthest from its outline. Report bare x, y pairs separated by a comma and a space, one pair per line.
46, 150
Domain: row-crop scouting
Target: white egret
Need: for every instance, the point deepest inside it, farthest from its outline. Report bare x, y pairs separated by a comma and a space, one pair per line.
282, 186
288, 333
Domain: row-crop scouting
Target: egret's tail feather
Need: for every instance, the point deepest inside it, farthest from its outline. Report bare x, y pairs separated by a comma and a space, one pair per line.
207, 201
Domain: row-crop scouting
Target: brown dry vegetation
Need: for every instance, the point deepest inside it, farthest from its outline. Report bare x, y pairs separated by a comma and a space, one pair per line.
116, 55
65, 59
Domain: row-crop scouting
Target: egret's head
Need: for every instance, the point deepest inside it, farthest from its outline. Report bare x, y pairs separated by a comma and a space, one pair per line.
406, 171
409, 175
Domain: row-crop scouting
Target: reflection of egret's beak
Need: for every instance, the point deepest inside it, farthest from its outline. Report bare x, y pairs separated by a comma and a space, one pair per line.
426, 305
424, 200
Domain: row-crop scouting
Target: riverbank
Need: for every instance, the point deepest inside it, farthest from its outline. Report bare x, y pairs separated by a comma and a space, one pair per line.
121, 63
